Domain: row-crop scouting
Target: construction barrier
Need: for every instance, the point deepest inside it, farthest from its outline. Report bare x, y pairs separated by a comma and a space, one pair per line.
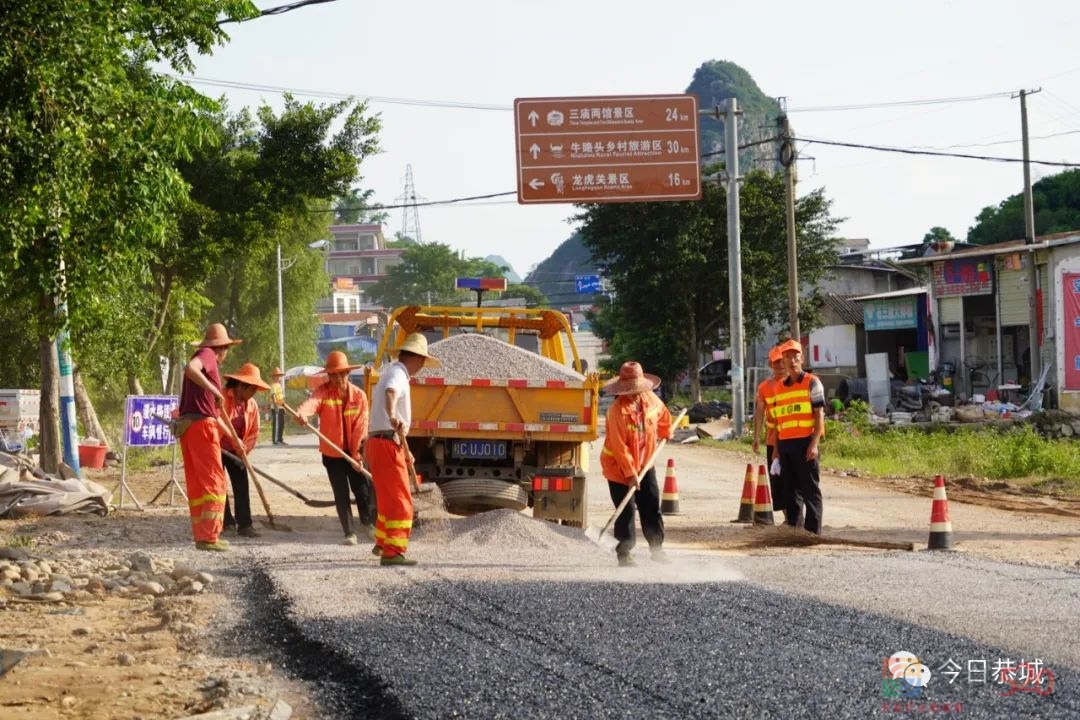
746, 502
763, 500
669, 498
940, 525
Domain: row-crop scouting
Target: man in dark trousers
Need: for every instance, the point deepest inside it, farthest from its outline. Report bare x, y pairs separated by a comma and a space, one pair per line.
799, 408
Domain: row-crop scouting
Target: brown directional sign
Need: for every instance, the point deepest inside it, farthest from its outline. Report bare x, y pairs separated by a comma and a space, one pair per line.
618, 148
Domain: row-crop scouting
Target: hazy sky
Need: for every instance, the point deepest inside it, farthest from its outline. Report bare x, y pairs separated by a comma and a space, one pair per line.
820, 54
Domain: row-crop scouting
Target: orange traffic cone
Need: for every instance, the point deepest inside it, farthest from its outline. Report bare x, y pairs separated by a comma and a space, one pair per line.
763, 499
669, 499
746, 503
940, 525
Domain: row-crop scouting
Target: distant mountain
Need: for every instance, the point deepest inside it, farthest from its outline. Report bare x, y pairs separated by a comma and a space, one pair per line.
556, 276
719, 80
511, 277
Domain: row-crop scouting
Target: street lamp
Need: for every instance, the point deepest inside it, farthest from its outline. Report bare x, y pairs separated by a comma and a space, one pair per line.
317, 245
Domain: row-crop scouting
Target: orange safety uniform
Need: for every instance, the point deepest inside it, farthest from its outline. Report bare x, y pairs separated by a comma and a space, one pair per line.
344, 421
245, 421
792, 410
631, 435
766, 394
200, 445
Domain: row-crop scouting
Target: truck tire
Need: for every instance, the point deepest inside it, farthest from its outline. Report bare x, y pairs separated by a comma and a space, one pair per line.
469, 496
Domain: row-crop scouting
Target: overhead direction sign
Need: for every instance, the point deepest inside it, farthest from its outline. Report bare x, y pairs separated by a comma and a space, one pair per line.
587, 284
607, 149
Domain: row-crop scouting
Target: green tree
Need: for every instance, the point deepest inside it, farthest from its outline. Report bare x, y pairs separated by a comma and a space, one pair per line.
1056, 208
89, 138
355, 206
533, 297
667, 265
938, 234
425, 276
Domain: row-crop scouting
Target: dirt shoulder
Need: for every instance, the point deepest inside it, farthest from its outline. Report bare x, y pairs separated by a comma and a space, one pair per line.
145, 627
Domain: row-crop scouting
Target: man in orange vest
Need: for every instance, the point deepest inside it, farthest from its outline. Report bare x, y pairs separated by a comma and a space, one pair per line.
763, 417
799, 408
635, 422
343, 418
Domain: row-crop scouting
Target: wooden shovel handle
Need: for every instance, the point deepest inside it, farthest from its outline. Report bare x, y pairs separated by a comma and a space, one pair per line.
352, 461
242, 452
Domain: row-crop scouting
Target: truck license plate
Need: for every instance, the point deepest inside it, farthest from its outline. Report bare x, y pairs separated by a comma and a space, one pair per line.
478, 449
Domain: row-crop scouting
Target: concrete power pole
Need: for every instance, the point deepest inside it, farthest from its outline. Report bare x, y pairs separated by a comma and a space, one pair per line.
1035, 341
787, 161
738, 366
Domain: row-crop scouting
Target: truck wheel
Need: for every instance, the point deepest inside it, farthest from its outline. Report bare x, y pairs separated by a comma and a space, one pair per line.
469, 496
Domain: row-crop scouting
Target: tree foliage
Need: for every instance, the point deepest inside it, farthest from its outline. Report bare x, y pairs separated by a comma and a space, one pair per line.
426, 275
938, 234
1056, 207
667, 264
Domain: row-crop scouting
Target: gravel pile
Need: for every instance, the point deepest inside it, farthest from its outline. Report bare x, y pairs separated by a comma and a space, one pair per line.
472, 355
501, 533
85, 575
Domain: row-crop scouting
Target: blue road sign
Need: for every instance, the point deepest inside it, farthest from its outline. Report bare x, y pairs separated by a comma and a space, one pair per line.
587, 284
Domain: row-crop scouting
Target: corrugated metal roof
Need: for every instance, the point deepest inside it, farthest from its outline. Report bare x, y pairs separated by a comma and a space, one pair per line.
851, 313
890, 294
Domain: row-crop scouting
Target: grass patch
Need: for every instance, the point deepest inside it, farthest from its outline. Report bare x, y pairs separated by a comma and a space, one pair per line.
19, 541
1017, 453
140, 459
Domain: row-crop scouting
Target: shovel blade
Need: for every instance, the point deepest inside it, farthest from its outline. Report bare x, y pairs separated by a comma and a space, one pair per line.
597, 536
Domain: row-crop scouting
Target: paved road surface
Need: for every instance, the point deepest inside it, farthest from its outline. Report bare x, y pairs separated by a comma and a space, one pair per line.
509, 617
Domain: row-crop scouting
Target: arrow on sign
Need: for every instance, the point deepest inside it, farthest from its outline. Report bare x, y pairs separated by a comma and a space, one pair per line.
536, 183
533, 117
535, 150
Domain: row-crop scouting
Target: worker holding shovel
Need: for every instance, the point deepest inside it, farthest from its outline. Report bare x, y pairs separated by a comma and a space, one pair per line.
343, 419
388, 452
635, 422
243, 412
199, 434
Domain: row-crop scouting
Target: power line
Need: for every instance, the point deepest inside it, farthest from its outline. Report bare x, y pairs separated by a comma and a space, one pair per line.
998, 142
279, 10
933, 153
236, 85
902, 103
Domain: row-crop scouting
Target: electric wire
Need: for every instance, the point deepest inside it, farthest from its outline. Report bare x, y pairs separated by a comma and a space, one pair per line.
931, 153
279, 10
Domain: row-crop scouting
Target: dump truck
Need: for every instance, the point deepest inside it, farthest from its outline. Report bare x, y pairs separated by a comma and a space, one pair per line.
506, 421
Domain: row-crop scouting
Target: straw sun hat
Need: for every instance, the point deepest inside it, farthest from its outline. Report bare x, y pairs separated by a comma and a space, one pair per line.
249, 375
216, 336
416, 344
631, 380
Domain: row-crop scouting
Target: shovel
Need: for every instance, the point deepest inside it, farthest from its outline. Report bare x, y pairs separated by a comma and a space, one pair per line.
597, 535
355, 465
296, 493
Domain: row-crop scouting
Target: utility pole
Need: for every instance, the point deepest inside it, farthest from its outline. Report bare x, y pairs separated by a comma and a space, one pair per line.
738, 368
1034, 337
787, 161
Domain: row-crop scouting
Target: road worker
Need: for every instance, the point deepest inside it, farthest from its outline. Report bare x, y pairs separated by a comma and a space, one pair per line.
635, 422
243, 412
388, 453
197, 426
799, 408
763, 418
277, 407
343, 418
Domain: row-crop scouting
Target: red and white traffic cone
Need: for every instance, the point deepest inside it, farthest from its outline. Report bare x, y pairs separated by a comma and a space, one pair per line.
940, 525
669, 498
746, 503
763, 500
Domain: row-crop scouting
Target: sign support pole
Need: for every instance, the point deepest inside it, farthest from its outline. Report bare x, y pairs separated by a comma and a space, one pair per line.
738, 369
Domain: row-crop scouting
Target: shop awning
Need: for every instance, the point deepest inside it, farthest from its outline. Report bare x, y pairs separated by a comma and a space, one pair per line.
891, 294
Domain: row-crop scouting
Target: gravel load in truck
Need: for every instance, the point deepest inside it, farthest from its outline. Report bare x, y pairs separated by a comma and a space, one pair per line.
471, 355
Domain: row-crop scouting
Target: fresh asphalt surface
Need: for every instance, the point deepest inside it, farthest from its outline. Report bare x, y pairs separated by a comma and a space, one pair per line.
507, 617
